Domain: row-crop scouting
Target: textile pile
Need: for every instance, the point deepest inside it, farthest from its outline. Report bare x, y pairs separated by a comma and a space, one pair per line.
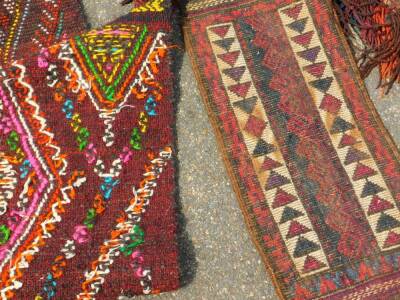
88, 190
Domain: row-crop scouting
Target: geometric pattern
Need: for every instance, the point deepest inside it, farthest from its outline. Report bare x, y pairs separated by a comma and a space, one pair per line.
150, 6
110, 56
273, 175
114, 63
39, 23
70, 204
369, 185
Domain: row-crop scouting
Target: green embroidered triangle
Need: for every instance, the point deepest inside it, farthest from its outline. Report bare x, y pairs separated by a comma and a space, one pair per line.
109, 53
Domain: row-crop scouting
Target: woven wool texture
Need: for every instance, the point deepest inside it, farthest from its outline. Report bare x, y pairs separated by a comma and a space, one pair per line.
29, 25
87, 180
314, 169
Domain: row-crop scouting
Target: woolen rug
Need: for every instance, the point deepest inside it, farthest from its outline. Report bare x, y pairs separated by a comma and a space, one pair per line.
87, 162
315, 171
29, 25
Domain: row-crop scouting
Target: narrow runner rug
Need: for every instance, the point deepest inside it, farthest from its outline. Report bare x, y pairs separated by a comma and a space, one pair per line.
315, 171
87, 176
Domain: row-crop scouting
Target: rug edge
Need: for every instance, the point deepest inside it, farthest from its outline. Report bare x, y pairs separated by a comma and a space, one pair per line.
228, 167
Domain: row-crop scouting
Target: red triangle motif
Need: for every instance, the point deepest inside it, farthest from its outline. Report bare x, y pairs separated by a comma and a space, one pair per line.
347, 140
378, 205
331, 104
282, 198
296, 229
303, 39
392, 239
230, 57
312, 264
221, 31
294, 11
362, 171
316, 70
240, 89
270, 164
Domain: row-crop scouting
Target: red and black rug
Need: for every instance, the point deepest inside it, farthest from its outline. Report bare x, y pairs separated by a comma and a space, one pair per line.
316, 173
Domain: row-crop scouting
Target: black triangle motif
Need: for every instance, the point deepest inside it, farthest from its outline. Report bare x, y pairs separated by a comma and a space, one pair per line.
247, 105
386, 222
340, 125
225, 43
263, 148
323, 84
370, 189
304, 247
298, 25
289, 214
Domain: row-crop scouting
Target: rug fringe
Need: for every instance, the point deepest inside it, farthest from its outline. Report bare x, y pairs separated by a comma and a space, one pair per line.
377, 24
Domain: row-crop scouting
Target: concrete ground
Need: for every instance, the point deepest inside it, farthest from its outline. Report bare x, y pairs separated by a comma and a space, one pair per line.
221, 259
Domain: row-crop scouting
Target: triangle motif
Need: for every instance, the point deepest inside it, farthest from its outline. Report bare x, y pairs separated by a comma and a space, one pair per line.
293, 12
298, 25
362, 171
247, 105
392, 239
230, 57
303, 39
316, 69
378, 205
386, 222
354, 155
370, 189
235, 73
296, 229
304, 247
289, 214
240, 89
312, 264
263, 148
276, 180
310, 54
270, 164
347, 140
323, 84
330, 104
108, 54
340, 125
221, 31
282, 198
225, 44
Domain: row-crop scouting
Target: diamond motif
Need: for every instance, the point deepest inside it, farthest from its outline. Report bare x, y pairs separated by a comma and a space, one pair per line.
255, 126
330, 104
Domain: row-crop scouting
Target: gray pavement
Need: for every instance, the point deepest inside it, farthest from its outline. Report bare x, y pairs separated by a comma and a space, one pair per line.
221, 260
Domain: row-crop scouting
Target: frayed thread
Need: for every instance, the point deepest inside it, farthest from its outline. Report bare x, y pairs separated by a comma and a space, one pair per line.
377, 24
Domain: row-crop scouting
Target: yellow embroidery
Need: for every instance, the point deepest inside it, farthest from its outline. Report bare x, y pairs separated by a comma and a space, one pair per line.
152, 6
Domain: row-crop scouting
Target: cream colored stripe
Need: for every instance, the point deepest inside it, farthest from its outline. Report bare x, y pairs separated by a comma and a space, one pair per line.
345, 113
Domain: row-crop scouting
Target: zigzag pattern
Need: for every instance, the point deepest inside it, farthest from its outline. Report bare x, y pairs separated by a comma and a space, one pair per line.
150, 6
112, 248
